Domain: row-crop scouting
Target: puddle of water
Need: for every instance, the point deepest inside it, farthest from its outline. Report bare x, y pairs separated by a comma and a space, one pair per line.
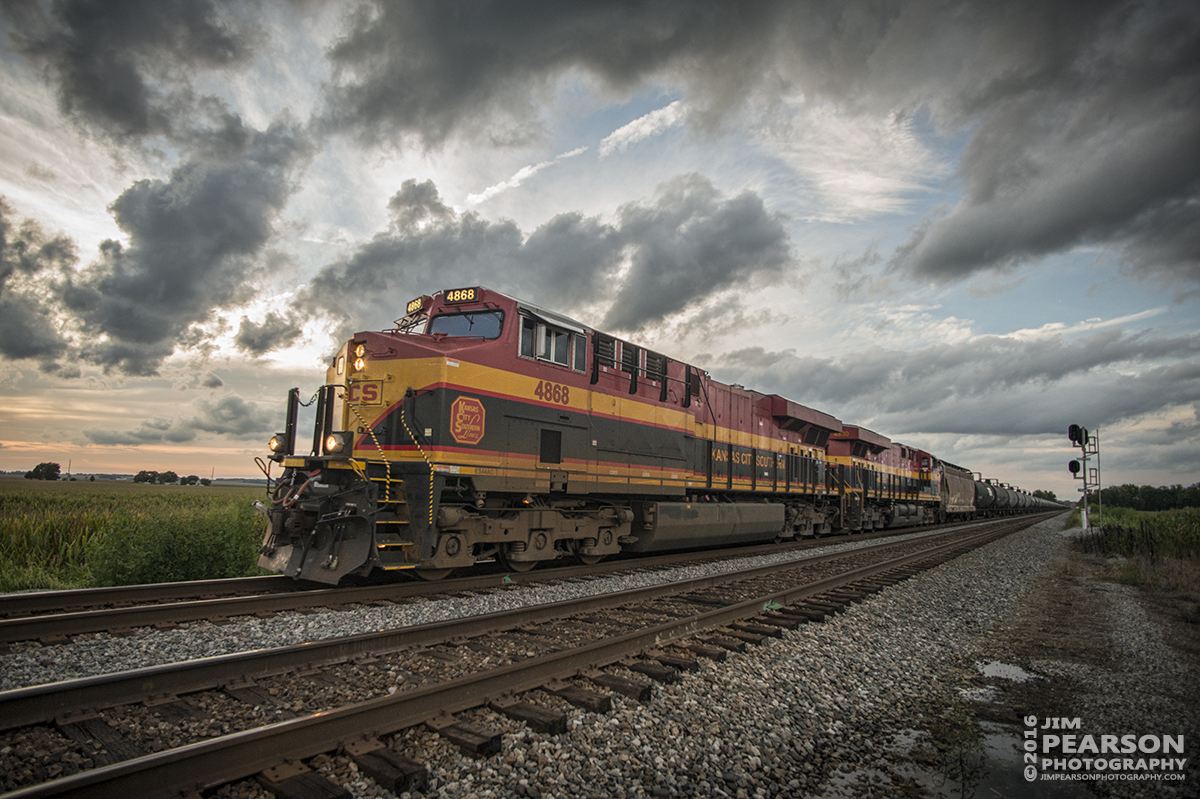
1005, 671
1004, 776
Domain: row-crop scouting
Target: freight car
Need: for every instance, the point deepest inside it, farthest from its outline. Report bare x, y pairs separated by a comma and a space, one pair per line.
482, 426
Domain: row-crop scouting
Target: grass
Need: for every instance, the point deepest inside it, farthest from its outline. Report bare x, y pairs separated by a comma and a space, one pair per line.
83, 534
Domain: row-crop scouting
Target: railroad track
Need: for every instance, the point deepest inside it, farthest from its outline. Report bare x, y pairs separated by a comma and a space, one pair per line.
52, 617
572, 650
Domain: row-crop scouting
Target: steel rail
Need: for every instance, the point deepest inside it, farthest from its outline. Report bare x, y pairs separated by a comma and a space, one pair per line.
44, 602
218, 761
41, 704
26, 604
58, 626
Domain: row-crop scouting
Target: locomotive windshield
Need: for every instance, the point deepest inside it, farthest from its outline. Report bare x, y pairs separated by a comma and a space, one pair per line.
478, 324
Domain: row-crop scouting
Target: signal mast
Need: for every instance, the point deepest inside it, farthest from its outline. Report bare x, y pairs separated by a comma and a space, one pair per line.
1089, 445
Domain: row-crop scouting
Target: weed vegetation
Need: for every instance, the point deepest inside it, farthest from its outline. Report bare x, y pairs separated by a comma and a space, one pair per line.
1160, 550
80, 535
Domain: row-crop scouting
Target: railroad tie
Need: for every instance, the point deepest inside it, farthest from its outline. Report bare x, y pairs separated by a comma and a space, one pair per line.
294, 780
824, 605
634, 689
778, 620
471, 739
539, 718
579, 697
793, 615
675, 662
655, 671
757, 629
389, 768
255, 695
728, 644
712, 652
736, 631
87, 728
811, 614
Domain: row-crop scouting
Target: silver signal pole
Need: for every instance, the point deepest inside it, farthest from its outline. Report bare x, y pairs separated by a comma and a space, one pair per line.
1088, 445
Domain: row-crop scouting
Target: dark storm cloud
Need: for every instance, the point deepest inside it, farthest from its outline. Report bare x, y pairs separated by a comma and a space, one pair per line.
428, 247
432, 68
688, 244
274, 331
230, 415
986, 385
1088, 122
125, 66
28, 257
193, 241
1084, 117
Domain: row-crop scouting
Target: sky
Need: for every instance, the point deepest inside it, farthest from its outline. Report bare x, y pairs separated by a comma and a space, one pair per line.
962, 225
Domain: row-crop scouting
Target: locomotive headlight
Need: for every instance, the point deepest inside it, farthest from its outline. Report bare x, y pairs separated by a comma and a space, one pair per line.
360, 351
339, 443
279, 447
360, 364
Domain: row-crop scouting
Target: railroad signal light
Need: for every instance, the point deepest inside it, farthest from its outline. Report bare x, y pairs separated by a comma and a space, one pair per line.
1078, 435
1074, 467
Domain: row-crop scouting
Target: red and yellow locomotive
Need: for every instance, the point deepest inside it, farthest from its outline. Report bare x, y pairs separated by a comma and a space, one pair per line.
485, 427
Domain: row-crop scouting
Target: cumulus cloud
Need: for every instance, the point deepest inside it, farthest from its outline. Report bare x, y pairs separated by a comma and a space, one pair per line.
987, 384
194, 240
1086, 141
690, 244
28, 257
1081, 118
435, 69
125, 66
258, 338
229, 416
661, 257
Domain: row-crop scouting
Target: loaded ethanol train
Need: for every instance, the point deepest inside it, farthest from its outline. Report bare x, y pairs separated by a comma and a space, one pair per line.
485, 427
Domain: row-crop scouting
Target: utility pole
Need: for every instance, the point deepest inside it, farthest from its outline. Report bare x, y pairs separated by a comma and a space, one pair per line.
1089, 446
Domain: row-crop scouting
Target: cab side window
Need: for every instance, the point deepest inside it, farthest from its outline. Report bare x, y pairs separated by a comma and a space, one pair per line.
549, 343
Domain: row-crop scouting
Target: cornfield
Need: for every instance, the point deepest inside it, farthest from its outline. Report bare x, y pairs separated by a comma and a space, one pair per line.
64, 535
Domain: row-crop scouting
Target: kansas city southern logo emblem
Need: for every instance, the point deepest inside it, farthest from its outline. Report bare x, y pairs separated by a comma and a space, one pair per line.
467, 420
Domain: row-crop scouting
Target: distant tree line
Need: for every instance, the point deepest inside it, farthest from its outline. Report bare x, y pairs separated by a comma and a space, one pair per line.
1149, 497
165, 478
1047, 495
53, 471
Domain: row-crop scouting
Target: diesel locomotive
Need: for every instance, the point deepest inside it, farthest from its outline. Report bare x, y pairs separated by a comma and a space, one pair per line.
484, 427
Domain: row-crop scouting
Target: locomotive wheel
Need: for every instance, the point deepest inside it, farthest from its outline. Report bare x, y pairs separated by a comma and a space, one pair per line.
519, 565
515, 565
589, 560
432, 574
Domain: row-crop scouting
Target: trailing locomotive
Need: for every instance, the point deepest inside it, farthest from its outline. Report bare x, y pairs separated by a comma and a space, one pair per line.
482, 426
